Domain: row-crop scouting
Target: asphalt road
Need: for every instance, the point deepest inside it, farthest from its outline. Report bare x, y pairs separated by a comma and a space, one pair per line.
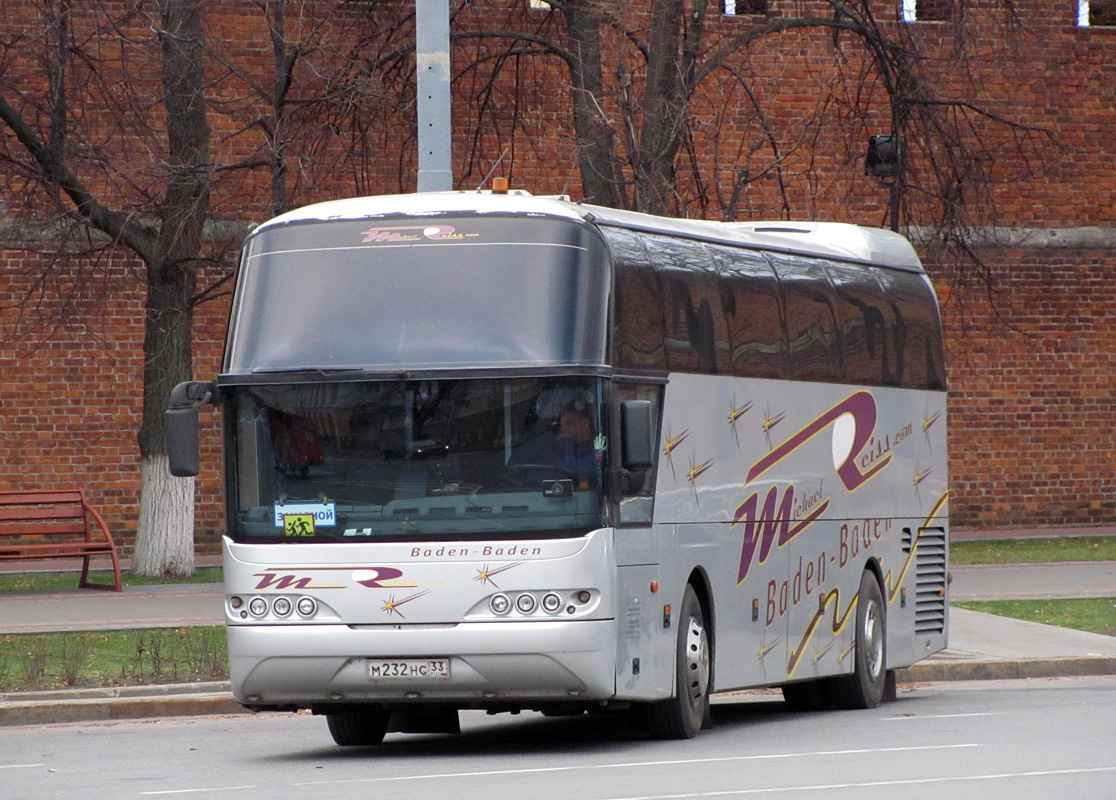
1021, 740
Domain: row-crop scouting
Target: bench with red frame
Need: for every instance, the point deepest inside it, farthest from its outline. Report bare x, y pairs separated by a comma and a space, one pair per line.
55, 524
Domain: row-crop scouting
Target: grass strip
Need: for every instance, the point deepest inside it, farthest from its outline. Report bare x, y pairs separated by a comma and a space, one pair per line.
1033, 551
50, 581
39, 661
1095, 615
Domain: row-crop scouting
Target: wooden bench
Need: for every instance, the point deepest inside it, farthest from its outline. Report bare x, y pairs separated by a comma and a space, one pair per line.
55, 524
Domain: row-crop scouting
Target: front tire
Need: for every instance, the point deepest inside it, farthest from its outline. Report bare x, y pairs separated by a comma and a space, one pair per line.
360, 727
864, 688
682, 716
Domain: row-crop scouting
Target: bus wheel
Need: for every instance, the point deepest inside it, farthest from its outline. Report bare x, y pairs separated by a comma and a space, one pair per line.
358, 727
683, 715
864, 688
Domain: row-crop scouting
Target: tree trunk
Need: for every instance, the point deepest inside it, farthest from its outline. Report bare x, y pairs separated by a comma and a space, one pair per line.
165, 531
600, 178
661, 133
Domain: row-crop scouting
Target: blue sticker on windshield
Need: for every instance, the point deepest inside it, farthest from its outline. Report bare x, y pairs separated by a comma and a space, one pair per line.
324, 514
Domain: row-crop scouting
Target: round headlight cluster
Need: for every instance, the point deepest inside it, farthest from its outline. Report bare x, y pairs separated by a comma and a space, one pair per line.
527, 603
261, 606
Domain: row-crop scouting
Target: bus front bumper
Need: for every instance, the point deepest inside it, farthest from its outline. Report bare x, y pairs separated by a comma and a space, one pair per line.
490, 663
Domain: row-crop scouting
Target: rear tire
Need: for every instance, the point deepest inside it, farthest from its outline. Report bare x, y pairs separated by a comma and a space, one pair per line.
864, 688
682, 716
358, 727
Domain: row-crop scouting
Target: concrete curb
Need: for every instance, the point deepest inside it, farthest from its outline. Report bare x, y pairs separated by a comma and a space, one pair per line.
117, 703
1008, 669
184, 700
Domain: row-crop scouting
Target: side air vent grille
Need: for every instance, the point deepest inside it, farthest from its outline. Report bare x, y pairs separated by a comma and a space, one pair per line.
930, 580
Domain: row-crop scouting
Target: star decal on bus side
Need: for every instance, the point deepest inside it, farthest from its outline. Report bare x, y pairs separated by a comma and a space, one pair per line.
391, 605
484, 575
770, 422
735, 413
918, 479
928, 421
695, 472
671, 445
820, 652
767, 647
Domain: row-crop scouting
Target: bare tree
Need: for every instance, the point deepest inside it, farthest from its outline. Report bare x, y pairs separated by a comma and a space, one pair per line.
156, 211
337, 71
635, 73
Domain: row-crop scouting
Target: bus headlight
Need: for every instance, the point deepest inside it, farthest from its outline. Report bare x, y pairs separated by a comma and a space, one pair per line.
499, 604
258, 606
525, 603
306, 606
551, 603
281, 606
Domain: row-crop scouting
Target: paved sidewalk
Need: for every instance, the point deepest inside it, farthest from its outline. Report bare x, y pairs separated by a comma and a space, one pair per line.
981, 646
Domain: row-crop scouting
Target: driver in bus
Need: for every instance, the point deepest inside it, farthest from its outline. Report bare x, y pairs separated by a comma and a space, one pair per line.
569, 446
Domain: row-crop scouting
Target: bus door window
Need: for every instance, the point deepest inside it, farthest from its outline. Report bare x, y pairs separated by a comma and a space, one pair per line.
637, 488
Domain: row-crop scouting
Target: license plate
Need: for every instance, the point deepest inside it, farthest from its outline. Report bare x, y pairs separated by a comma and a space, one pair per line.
407, 668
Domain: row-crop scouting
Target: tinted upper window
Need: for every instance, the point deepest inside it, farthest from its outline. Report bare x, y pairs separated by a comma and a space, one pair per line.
639, 321
438, 292
865, 318
915, 330
754, 313
815, 347
696, 336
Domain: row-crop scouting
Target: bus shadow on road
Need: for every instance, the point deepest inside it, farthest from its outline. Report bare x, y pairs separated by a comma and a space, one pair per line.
534, 734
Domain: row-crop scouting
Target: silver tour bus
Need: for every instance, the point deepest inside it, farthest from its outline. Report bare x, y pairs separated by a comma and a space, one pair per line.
503, 452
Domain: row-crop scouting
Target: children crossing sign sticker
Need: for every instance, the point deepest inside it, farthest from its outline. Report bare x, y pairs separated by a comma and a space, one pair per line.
302, 519
298, 524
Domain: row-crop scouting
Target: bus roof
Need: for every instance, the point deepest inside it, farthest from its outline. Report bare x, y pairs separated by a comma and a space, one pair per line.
836, 240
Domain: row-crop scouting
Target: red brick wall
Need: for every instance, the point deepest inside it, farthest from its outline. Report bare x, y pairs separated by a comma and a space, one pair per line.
1033, 393
1031, 416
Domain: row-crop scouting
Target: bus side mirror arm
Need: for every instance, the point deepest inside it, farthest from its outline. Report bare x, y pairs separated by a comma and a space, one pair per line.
181, 425
636, 449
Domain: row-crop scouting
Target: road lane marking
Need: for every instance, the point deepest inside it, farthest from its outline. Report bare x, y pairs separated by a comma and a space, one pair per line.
198, 791
20, 766
828, 787
946, 716
580, 767
631, 764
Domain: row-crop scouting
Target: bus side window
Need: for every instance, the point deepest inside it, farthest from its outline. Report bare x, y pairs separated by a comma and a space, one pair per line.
638, 328
916, 331
637, 491
696, 333
815, 346
754, 312
865, 318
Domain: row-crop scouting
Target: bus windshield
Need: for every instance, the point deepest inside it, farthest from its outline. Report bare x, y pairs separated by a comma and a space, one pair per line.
420, 459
